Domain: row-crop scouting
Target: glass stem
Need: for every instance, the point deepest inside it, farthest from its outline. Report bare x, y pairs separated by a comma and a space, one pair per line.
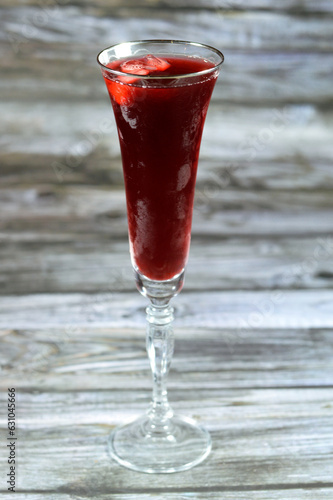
160, 345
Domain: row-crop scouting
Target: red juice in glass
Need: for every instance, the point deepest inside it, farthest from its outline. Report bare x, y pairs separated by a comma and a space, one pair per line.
160, 92
160, 127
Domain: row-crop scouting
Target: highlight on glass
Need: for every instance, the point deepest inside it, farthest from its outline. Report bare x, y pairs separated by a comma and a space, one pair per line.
160, 92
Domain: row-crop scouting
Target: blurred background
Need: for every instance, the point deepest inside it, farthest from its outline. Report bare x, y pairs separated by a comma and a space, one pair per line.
254, 322
265, 178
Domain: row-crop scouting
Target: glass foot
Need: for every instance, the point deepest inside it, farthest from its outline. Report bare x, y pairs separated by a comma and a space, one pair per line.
177, 446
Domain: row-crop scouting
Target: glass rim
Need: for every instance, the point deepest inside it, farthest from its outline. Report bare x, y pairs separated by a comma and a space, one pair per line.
163, 41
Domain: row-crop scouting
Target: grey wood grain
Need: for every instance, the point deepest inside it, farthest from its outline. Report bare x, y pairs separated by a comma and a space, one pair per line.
291, 66
294, 6
250, 456
254, 328
92, 211
299, 171
240, 310
255, 494
243, 30
295, 78
288, 147
263, 435
80, 265
114, 359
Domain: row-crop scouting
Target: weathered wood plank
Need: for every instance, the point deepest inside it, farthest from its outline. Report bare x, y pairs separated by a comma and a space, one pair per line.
94, 211
266, 443
284, 77
297, 172
241, 310
232, 223
107, 359
82, 265
246, 422
235, 30
271, 424
90, 202
238, 142
294, 6
228, 494
291, 67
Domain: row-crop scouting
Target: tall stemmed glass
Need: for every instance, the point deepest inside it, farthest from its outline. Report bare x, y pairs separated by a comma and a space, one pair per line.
160, 92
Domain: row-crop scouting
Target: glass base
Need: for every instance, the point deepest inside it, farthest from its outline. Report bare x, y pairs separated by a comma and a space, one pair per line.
180, 445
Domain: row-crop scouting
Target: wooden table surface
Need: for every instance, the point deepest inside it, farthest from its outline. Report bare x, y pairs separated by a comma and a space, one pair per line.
254, 323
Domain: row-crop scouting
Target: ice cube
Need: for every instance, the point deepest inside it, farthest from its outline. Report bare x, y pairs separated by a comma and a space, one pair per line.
144, 65
134, 67
156, 63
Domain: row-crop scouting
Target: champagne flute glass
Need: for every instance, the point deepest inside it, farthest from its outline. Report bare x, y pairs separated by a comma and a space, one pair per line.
160, 91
